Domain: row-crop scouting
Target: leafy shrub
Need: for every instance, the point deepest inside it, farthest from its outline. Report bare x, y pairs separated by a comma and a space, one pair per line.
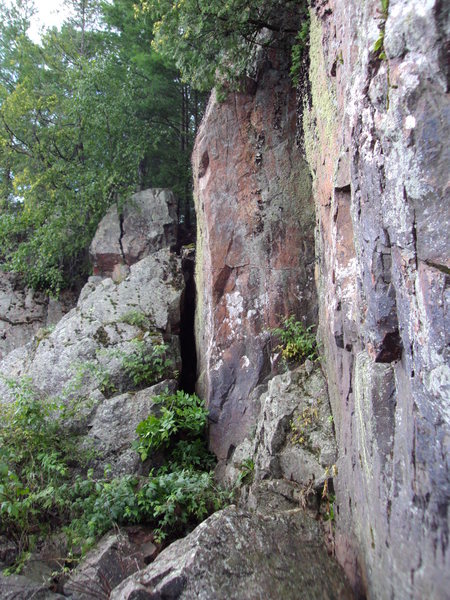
35, 457
148, 364
180, 414
297, 342
40, 494
179, 499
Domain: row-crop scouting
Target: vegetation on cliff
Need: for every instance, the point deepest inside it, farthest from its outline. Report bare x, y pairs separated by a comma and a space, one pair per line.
46, 484
86, 116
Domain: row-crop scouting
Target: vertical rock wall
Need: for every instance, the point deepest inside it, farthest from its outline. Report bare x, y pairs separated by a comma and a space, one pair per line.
376, 138
255, 250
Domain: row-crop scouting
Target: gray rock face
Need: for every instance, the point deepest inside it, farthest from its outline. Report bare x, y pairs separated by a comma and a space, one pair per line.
146, 223
114, 559
87, 339
376, 139
16, 587
112, 428
82, 358
25, 313
294, 437
236, 555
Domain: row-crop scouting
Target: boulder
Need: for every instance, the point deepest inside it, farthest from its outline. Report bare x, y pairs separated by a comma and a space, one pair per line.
113, 559
16, 587
145, 223
25, 312
238, 555
112, 428
294, 437
84, 353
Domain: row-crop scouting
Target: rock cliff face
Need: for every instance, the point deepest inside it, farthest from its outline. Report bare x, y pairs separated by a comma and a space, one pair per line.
374, 125
23, 312
375, 137
82, 358
255, 251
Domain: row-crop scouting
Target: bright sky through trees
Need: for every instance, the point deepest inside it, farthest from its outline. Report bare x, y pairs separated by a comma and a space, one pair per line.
49, 13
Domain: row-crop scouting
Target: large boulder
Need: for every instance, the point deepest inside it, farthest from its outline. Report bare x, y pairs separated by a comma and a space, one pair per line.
255, 242
114, 558
112, 428
86, 345
83, 359
145, 223
294, 438
16, 587
237, 555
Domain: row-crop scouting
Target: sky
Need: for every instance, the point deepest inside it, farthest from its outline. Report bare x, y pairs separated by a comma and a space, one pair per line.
49, 13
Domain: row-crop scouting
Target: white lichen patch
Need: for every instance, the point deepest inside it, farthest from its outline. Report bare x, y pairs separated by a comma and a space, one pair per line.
410, 122
245, 362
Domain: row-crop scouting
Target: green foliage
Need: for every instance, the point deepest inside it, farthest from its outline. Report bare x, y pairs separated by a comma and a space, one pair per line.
299, 49
35, 458
136, 318
39, 492
148, 364
297, 342
86, 117
247, 470
379, 44
179, 499
213, 41
180, 415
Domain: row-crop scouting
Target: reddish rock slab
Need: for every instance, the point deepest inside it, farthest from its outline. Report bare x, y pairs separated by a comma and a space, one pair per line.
255, 246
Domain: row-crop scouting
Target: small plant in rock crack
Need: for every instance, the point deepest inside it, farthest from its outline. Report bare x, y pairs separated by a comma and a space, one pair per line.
379, 44
136, 318
297, 342
148, 364
328, 497
304, 424
299, 49
247, 471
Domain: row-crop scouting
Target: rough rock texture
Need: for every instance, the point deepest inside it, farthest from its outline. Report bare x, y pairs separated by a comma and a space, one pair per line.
294, 437
376, 137
99, 326
23, 312
16, 587
255, 247
236, 555
112, 428
113, 559
147, 222
82, 358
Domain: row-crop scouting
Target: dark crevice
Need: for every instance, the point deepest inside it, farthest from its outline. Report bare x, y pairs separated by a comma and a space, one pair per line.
122, 233
188, 375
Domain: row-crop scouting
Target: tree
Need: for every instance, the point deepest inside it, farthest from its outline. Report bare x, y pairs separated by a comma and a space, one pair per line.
85, 118
213, 41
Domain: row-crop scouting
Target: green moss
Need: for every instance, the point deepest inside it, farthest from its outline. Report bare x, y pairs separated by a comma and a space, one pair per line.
319, 122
